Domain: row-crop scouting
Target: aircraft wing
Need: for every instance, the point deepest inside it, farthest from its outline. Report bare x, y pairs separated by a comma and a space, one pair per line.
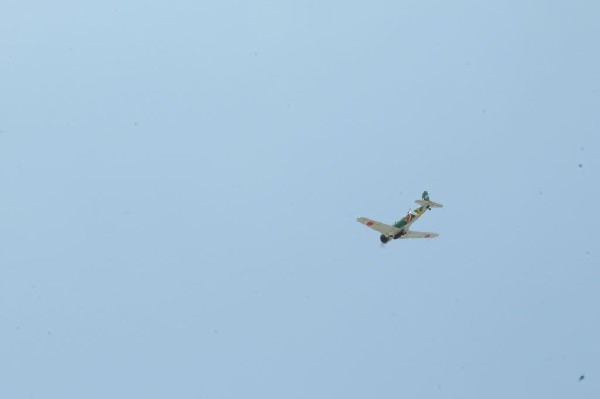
380, 227
418, 234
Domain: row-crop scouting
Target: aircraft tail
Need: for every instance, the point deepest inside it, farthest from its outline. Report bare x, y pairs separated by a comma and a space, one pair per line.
426, 202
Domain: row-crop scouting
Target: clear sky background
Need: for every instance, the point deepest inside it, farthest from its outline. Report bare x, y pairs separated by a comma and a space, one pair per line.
180, 183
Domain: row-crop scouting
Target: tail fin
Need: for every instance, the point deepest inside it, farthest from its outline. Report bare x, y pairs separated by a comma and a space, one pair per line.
427, 203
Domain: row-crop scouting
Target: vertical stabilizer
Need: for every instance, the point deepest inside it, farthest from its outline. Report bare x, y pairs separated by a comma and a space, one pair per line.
425, 196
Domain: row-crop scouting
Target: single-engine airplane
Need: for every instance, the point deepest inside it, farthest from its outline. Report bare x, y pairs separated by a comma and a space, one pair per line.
401, 229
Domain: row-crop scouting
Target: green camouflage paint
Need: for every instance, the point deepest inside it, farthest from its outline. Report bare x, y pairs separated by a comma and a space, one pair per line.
411, 216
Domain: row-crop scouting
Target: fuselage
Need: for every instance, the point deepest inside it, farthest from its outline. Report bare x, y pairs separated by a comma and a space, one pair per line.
410, 218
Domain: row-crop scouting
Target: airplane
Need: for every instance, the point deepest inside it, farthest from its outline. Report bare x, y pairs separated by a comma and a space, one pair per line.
401, 229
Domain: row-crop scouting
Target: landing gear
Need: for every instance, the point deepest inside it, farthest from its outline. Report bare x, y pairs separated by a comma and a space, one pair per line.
400, 234
384, 239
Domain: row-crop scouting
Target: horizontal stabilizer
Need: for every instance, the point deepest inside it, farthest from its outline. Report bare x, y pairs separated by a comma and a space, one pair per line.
430, 204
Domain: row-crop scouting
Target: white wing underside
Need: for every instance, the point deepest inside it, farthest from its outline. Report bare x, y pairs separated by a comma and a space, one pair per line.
380, 227
419, 234
391, 230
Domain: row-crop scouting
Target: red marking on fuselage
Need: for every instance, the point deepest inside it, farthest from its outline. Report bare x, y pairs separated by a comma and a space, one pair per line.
427, 235
407, 218
369, 223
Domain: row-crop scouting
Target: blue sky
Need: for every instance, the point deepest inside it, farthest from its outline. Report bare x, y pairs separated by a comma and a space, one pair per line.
181, 182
